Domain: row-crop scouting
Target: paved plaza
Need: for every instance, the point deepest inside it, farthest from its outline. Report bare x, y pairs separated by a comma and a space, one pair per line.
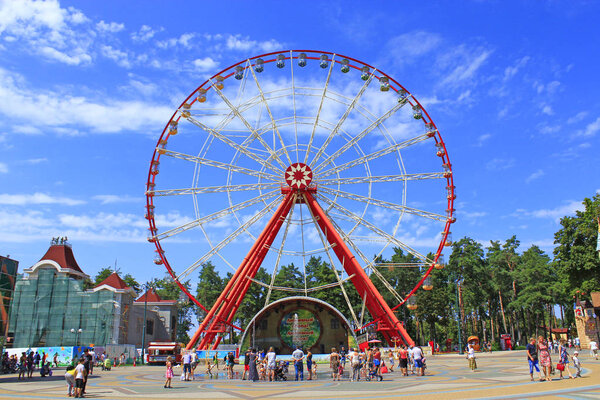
500, 376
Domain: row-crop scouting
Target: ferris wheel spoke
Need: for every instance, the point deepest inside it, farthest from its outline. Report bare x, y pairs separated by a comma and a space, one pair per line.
369, 264
382, 178
280, 252
384, 204
294, 105
215, 189
342, 119
264, 100
372, 156
359, 136
254, 133
332, 264
375, 229
214, 216
217, 248
323, 96
231, 143
219, 164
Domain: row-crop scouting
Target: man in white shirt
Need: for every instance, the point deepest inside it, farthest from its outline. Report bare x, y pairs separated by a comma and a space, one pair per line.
79, 377
411, 360
418, 357
187, 365
298, 356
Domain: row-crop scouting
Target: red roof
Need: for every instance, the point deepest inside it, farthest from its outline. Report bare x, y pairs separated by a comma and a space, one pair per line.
153, 297
115, 281
63, 256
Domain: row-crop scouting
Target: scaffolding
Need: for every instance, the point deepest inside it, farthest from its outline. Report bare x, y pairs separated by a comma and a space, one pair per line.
54, 310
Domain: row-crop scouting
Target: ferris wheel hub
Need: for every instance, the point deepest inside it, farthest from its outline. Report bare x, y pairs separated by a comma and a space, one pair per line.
298, 176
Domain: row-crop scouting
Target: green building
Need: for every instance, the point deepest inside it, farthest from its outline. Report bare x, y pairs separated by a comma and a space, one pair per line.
8, 279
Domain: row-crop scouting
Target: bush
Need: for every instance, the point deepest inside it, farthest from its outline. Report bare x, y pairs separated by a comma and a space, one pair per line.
495, 347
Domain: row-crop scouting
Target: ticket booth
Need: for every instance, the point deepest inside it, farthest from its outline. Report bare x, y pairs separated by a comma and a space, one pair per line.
505, 342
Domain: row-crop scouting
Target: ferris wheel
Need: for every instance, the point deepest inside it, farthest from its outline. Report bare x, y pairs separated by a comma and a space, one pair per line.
298, 154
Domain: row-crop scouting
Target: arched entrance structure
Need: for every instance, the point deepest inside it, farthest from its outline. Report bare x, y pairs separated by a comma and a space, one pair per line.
294, 321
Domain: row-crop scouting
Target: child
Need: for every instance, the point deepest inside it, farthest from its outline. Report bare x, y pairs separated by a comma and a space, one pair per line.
70, 378
577, 364
79, 377
209, 368
169, 373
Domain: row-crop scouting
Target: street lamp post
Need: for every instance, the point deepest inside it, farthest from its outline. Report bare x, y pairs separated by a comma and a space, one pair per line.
458, 320
146, 287
76, 332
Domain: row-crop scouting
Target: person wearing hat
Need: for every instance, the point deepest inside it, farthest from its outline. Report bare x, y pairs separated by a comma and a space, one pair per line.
577, 364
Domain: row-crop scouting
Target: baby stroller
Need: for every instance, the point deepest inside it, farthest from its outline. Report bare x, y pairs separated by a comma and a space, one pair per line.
279, 372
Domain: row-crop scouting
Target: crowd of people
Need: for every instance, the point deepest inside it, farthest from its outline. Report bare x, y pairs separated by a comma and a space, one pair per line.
539, 355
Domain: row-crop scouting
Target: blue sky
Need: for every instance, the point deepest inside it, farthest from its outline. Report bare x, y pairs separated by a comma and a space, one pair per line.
86, 88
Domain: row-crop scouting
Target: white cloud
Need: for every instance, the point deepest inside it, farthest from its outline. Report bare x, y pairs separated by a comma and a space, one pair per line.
185, 41
144, 34
36, 160
47, 29
109, 27
113, 198
482, 139
69, 114
118, 56
557, 213
405, 48
37, 198
537, 174
466, 68
546, 129
509, 72
546, 109
244, 43
205, 64
577, 117
592, 128
3, 168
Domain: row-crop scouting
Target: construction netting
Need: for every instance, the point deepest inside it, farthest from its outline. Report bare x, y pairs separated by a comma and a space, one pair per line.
54, 310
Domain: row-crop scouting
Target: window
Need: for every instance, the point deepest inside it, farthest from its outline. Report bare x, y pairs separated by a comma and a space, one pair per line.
149, 327
263, 324
335, 323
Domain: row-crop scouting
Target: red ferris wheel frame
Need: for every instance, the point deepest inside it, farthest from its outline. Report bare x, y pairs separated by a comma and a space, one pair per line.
219, 318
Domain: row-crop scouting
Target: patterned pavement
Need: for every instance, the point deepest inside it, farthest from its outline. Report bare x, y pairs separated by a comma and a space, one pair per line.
499, 376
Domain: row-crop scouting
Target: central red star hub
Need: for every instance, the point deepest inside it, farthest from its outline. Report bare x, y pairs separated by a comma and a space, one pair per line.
298, 176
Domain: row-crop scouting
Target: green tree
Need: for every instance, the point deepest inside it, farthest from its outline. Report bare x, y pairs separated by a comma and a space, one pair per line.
132, 283
575, 254
168, 289
210, 286
102, 275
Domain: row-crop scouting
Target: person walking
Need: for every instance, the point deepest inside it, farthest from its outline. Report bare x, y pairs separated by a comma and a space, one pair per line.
563, 359
334, 364
230, 364
343, 356
594, 349
391, 357
169, 372
55, 360
545, 359
271, 363
418, 357
298, 356
194, 364
471, 357
246, 364
30, 365
577, 364
532, 358
253, 371
355, 363
411, 360
187, 366
377, 363
403, 360
22, 366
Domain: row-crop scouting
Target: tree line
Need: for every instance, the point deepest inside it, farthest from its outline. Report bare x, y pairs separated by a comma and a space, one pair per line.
489, 288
